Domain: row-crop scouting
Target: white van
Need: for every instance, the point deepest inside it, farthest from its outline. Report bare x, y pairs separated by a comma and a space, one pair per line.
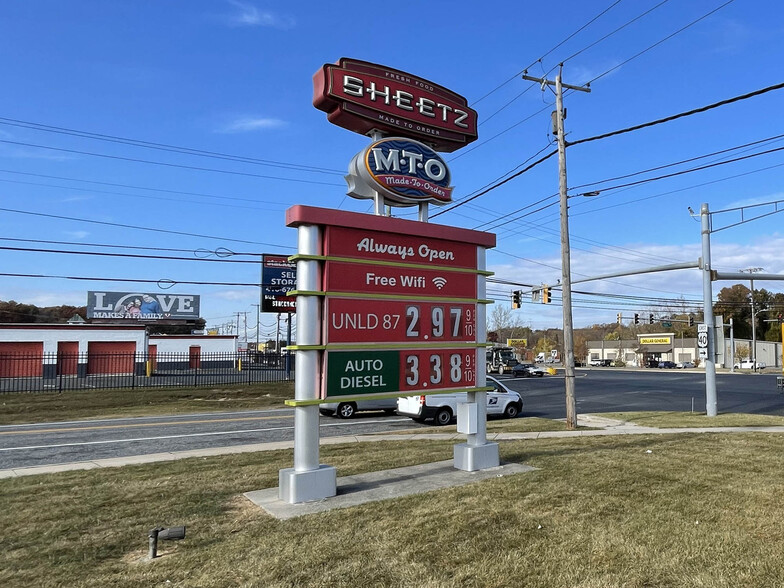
346, 410
442, 407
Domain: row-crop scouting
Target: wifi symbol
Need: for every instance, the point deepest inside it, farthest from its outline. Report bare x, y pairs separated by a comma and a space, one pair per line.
439, 282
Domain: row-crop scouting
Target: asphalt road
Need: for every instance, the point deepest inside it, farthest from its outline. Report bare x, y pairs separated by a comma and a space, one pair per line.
608, 390
597, 390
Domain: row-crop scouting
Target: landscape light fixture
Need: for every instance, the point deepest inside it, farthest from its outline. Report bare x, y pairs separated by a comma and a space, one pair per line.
164, 534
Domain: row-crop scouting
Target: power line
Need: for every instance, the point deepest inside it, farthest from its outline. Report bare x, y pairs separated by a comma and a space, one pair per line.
124, 226
700, 185
627, 130
219, 252
167, 282
131, 255
147, 197
668, 37
608, 35
133, 187
682, 161
164, 147
506, 130
680, 115
517, 75
498, 184
166, 164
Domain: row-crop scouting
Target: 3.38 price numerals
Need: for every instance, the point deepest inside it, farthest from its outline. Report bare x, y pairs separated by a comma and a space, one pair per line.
438, 369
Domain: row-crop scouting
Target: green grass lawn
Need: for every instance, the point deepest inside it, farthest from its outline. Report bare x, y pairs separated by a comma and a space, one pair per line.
87, 404
627, 511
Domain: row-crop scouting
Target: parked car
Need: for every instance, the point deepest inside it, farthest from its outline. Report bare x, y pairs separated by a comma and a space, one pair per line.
346, 410
442, 407
686, 364
524, 370
667, 364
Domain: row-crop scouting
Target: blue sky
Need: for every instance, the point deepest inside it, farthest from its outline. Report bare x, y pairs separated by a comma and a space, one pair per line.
235, 77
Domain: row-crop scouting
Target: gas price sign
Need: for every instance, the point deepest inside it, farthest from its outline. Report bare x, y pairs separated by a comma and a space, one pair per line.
375, 372
395, 321
399, 312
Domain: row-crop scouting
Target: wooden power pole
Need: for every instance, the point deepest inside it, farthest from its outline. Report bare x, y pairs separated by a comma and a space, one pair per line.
566, 271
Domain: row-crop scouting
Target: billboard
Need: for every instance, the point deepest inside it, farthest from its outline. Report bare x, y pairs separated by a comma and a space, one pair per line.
278, 278
142, 306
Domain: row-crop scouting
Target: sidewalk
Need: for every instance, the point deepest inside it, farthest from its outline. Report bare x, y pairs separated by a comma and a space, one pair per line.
604, 426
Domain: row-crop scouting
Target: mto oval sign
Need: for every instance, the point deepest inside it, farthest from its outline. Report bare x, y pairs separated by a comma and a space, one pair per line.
406, 172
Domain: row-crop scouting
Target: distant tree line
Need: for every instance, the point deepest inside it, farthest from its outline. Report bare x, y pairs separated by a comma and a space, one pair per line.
16, 312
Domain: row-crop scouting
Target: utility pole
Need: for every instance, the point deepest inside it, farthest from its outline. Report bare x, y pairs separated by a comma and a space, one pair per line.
258, 322
277, 337
711, 400
752, 271
566, 271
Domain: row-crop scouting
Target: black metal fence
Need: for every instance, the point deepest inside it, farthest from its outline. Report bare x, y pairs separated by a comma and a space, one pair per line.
57, 372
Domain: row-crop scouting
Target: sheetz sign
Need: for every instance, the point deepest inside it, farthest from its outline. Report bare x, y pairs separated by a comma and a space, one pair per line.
362, 97
387, 306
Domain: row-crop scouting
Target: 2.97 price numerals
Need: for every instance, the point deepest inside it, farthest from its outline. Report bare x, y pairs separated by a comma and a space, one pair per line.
351, 320
437, 369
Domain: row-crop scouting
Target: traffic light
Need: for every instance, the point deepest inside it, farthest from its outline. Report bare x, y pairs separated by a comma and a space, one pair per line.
619, 318
546, 295
516, 298
691, 320
650, 319
636, 319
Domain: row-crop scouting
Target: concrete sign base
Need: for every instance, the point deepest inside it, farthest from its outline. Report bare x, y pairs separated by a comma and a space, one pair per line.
295, 487
471, 458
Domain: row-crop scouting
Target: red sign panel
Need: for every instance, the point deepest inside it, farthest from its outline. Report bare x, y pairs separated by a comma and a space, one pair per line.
405, 281
395, 321
361, 96
433, 369
366, 244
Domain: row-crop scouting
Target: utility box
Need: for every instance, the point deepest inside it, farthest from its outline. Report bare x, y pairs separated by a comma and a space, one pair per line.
467, 415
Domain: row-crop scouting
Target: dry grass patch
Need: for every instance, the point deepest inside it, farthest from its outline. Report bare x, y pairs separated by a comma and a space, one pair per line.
697, 511
92, 404
664, 419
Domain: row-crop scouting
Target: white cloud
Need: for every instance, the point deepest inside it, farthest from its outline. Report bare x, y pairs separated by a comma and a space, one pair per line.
248, 15
77, 234
250, 124
77, 198
33, 153
687, 283
756, 201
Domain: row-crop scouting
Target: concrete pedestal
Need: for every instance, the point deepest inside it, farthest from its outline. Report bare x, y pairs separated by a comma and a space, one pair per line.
294, 487
471, 458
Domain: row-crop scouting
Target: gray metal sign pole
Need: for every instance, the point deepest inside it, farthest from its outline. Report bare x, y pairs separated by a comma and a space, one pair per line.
307, 480
476, 453
707, 307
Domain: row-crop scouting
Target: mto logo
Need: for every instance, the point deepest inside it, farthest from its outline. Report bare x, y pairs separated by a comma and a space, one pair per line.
406, 172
